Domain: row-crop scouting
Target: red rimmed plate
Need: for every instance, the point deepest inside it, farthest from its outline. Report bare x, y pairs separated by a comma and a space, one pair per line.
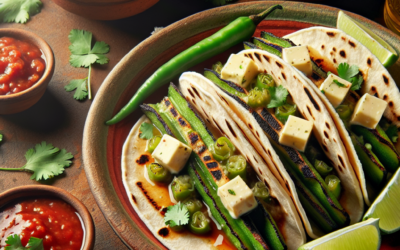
102, 145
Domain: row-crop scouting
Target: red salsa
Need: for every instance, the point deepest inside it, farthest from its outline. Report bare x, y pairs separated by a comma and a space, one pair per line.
54, 221
21, 65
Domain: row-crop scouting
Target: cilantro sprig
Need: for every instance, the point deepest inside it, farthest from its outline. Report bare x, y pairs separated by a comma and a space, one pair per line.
146, 130
14, 242
18, 11
45, 161
278, 96
83, 55
351, 74
176, 215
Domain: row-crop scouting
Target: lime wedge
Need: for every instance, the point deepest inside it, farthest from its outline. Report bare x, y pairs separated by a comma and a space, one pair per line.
381, 49
387, 206
364, 235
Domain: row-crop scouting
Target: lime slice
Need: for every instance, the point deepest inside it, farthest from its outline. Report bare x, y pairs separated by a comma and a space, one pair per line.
364, 235
381, 49
387, 206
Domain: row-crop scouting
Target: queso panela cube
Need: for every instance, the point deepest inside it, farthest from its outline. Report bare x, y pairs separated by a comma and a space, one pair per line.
368, 111
237, 197
335, 92
299, 57
171, 154
296, 133
240, 70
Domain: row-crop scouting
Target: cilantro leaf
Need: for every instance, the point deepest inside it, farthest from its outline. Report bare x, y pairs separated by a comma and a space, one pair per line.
231, 192
83, 55
278, 96
346, 72
176, 215
46, 161
18, 10
81, 88
356, 82
146, 130
391, 132
14, 242
341, 85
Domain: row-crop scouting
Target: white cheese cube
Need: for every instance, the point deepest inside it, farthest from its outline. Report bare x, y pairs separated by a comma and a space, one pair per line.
237, 197
240, 70
299, 57
296, 133
171, 154
368, 111
333, 91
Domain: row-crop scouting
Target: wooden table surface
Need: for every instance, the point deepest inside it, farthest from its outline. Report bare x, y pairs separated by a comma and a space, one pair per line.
59, 119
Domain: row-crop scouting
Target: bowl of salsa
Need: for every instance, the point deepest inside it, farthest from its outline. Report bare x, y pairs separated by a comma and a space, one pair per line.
47, 213
26, 67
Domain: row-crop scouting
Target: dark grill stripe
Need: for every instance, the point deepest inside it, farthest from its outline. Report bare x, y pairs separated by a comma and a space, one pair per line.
211, 165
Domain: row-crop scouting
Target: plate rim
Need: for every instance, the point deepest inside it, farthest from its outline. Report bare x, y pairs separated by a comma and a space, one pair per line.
117, 80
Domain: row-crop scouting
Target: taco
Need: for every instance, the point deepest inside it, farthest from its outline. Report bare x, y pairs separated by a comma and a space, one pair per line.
320, 210
371, 149
213, 164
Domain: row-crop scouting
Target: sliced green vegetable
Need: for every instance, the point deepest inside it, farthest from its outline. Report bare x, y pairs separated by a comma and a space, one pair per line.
182, 187
199, 223
271, 38
334, 186
223, 149
158, 173
259, 98
273, 49
230, 87
237, 166
264, 81
153, 143
322, 168
261, 191
283, 112
217, 67
193, 205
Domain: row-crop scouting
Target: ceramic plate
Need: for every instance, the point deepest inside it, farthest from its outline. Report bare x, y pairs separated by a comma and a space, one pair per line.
102, 145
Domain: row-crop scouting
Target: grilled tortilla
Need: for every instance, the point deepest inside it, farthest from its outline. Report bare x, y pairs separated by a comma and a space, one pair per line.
331, 47
311, 108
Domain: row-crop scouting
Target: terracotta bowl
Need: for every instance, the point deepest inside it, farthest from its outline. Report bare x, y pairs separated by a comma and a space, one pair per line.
14, 103
105, 9
30, 191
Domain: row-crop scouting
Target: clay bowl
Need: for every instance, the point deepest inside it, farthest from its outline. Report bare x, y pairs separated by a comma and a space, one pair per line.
105, 9
14, 103
39, 191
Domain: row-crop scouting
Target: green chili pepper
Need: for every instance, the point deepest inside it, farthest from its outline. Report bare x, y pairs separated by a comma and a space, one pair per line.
237, 166
158, 173
217, 67
223, 149
199, 223
259, 98
182, 187
334, 186
261, 191
193, 205
153, 143
241, 29
322, 168
283, 112
264, 81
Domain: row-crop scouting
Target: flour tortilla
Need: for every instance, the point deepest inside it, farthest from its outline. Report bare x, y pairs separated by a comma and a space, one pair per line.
132, 173
338, 47
217, 117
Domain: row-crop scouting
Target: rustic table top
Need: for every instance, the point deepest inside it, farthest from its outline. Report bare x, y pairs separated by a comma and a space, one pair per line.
59, 119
